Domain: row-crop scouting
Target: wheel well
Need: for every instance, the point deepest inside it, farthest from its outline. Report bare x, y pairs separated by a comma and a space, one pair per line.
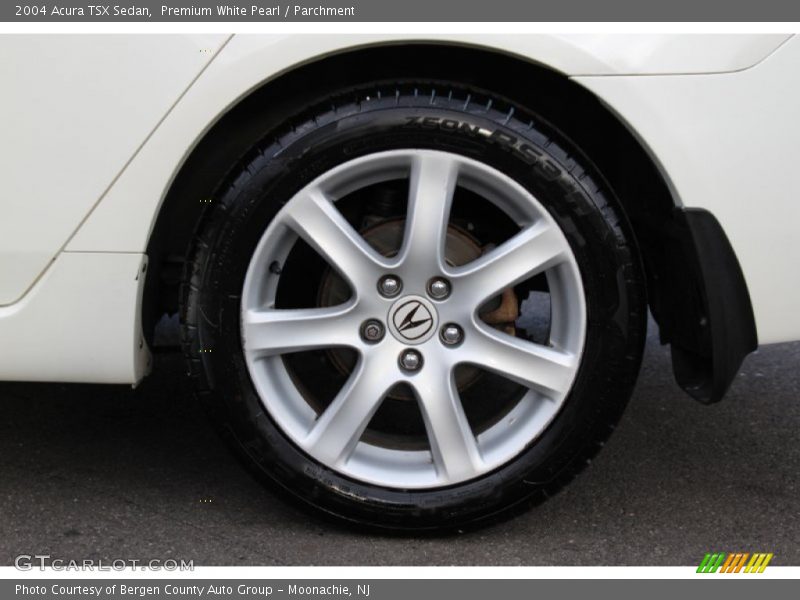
578, 113
623, 162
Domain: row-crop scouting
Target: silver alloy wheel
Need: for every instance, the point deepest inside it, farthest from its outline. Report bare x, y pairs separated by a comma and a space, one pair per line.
456, 454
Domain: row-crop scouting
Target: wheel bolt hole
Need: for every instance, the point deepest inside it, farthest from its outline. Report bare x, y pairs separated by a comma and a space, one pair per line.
410, 361
438, 288
451, 335
389, 286
372, 331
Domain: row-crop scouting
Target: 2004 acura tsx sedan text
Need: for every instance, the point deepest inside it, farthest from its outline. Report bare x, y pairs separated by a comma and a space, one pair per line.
413, 273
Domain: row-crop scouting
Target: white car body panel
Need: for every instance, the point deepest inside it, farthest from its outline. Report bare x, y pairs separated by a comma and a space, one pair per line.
730, 143
80, 322
74, 109
94, 207
120, 223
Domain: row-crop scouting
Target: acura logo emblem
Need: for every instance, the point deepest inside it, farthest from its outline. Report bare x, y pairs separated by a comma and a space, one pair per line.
412, 319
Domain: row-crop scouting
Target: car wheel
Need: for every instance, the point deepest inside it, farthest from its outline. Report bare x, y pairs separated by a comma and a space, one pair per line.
416, 307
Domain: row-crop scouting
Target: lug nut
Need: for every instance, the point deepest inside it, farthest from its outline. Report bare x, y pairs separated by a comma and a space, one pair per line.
410, 360
390, 286
452, 334
438, 288
372, 330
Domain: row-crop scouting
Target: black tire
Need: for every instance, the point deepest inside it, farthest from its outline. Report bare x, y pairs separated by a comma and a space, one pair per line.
433, 115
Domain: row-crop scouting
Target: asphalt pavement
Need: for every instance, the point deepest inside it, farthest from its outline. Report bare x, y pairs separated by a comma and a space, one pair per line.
109, 472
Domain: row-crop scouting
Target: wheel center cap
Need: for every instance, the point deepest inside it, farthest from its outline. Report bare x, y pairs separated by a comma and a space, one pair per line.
413, 319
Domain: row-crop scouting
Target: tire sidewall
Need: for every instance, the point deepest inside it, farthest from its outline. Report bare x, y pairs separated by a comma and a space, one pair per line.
611, 278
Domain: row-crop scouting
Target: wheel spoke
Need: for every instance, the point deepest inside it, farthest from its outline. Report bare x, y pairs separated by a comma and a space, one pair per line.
314, 218
453, 445
433, 181
336, 432
279, 331
531, 251
547, 370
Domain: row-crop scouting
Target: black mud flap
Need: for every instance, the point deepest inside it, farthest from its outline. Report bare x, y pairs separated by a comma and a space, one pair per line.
702, 305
